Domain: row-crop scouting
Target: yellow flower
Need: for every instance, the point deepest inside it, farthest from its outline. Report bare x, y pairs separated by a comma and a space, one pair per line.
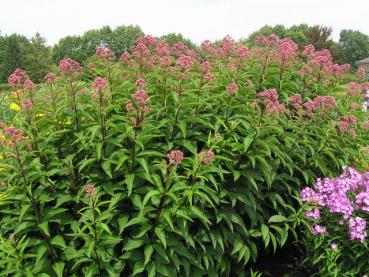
15, 107
39, 114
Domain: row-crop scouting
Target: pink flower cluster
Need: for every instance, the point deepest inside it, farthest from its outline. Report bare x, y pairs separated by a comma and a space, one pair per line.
175, 157
346, 195
27, 104
14, 136
184, 62
232, 88
20, 78
68, 66
90, 190
104, 53
28, 85
99, 83
206, 157
357, 228
315, 214
142, 100
295, 101
50, 77
270, 100
347, 122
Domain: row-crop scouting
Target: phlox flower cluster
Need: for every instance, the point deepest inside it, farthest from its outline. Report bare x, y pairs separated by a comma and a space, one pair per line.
346, 196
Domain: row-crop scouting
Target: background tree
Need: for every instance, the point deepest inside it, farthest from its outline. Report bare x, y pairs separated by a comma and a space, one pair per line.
13, 51
321, 38
38, 58
80, 48
69, 47
354, 46
172, 38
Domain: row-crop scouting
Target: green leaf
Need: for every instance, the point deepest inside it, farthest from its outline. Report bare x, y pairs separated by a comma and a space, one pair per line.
59, 268
106, 165
133, 244
58, 241
277, 218
200, 214
161, 235
130, 179
148, 252
44, 226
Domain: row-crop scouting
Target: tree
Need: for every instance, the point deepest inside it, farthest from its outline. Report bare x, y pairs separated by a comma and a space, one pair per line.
123, 38
69, 47
172, 38
80, 48
320, 37
38, 58
12, 54
354, 46
267, 30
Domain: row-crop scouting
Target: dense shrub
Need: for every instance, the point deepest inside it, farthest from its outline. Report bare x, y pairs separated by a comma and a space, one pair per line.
169, 162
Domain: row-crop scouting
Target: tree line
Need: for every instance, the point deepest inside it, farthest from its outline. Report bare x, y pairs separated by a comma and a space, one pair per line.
34, 56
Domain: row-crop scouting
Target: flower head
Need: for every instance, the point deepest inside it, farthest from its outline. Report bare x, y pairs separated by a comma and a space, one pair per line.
99, 83
90, 190
206, 157
175, 157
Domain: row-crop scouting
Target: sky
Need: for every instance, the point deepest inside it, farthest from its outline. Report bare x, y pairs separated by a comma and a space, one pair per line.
195, 19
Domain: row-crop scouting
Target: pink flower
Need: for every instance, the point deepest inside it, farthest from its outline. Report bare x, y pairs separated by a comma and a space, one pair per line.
295, 101
232, 88
13, 80
140, 83
315, 214
125, 57
27, 104
70, 66
29, 85
104, 53
17, 77
333, 246
317, 229
270, 94
90, 190
175, 157
357, 228
50, 77
184, 62
206, 157
287, 48
308, 50
140, 97
129, 106
99, 83
242, 52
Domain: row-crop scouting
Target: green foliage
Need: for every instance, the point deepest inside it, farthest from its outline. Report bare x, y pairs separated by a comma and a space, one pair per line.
13, 52
18, 52
80, 48
92, 193
354, 46
173, 38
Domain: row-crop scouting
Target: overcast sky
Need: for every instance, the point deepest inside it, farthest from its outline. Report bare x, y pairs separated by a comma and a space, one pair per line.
195, 19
